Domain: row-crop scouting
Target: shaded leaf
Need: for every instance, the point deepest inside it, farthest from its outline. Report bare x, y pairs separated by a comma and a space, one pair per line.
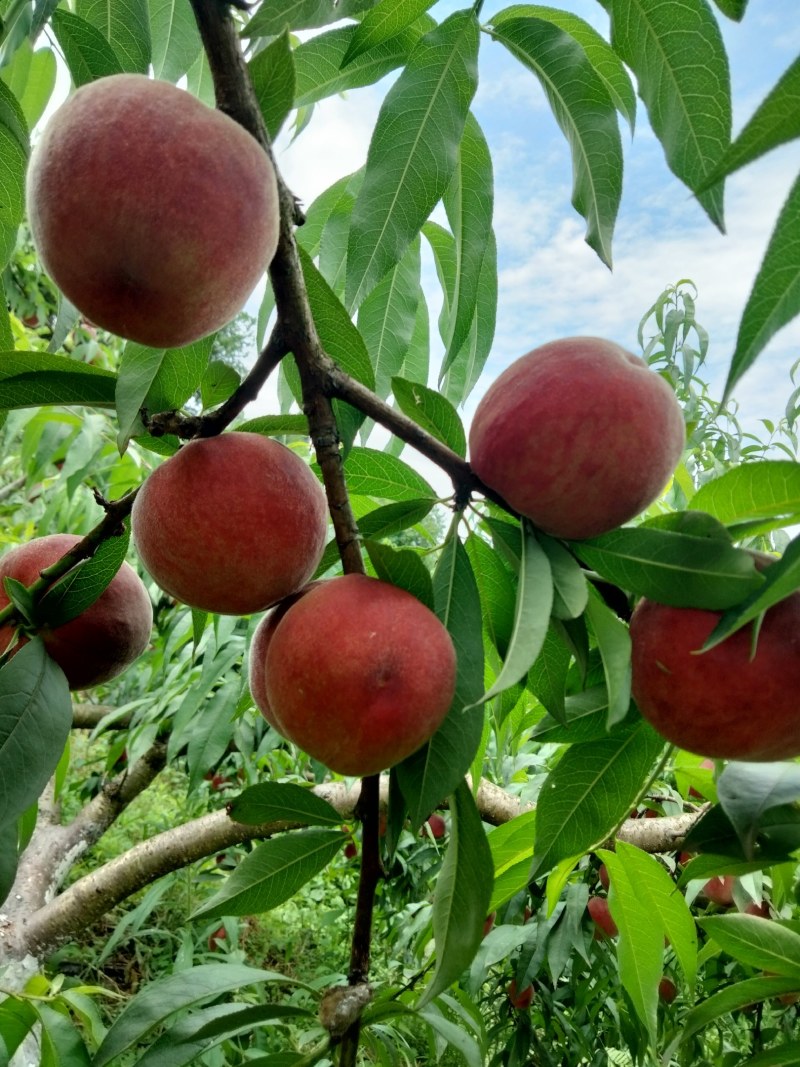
272, 74
270, 802
403, 568
77, 590
275, 16
126, 27
86, 50
175, 39
31, 379
387, 318
432, 412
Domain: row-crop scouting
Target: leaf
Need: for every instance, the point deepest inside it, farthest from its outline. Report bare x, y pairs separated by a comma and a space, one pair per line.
731, 998
468, 201
125, 26
463, 891
8, 867
273, 872
496, 589
681, 67
383, 22
270, 802
781, 579
35, 720
175, 39
387, 318
218, 383
274, 16
86, 50
466, 368
157, 379
61, 1042
436, 769
382, 522
531, 614
77, 590
590, 791
511, 845
775, 296
647, 910
403, 568
681, 570
413, 151
747, 790
585, 717
734, 9
614, 643
276, 425
318, 61
600, 54
586, 114
775, 121
758, 942
212, 734
31, 77
272, 74
430, 410
377, 474
159, 1000
765, 489
570, 589
14, 150
32, 379
547, 678
17, 1018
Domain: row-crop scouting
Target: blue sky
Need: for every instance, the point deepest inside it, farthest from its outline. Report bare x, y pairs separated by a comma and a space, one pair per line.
551, 284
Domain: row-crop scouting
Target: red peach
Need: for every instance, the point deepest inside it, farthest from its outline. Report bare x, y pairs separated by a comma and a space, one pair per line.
231, 524
578, 435
162, 232
106, 638
719, 890
601, 914
520, 999
667, 990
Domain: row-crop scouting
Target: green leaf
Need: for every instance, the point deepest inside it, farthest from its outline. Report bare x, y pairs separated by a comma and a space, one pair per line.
310, 233
531, 614
734, 9
679, 59
35, 720
614, 643
86, 50
766, 489
747, 790
275, 16
466, 368
647, 910
218, 383
157, 379
468, 201
413, 151
126, 27
586, 114
681, 570
404, 568
270, 802
436, 769
781, 579
31, 77
159, 1000
775, 297
511, 846
17, 1018
8, 862
273, 872
77, 590
757, 942
430, 410
383, 22
463, 891
318, 61
570, 589
387, 317
547, 678
61, 1042
599, 52
585, 717
212, 733
277, 425
382, 476
786, 1055
272, 74
382, 522
775, 121
590, 791
31, 379
496, 589
175, 39
733, 997
14, 150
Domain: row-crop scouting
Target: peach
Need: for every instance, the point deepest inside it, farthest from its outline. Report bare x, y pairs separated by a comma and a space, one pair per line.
667, 990
521, 999
719, 890
231, 524
106, 638
154, 214
359, 674
579, 436
258, 655
601, 916
721, 703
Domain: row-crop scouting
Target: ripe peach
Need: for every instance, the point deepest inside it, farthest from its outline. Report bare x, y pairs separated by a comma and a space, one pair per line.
100, 643
605, 881
437, 826
719, 890
520, 999
667, 990
721, 703
154, 214
578, 435
231, 524
601, 915
359, 674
